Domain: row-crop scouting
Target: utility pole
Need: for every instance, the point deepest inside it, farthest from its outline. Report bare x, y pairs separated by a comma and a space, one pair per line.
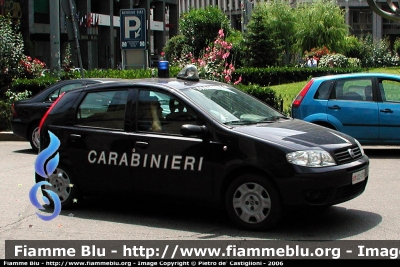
55, 35
78, 49
112, 34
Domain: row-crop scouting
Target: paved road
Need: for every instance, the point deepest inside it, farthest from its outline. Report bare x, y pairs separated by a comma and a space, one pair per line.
375, 215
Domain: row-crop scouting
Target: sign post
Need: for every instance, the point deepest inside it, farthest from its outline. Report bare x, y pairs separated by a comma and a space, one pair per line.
133, 37
133, 28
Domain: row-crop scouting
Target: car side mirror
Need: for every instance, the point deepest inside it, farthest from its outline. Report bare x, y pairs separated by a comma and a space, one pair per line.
191, 129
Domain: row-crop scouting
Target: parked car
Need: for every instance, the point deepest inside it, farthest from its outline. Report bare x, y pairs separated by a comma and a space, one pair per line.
213, 143
27, 113
363, 105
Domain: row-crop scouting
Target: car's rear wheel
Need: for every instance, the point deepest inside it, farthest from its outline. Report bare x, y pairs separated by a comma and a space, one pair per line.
253, 202
63, 184
34, 137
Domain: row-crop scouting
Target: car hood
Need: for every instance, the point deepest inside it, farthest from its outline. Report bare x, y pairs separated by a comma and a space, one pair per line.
297, 134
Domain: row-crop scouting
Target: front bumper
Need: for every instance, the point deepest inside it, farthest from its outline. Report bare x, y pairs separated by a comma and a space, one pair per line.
325, 188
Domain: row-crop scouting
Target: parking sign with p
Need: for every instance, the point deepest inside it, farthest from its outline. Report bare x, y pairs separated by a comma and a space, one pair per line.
133, 28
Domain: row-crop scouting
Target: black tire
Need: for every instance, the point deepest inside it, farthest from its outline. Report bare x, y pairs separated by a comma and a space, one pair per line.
33, 136
65, 186
253, 202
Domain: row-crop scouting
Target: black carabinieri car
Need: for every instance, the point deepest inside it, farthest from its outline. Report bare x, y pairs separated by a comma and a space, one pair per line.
190, 138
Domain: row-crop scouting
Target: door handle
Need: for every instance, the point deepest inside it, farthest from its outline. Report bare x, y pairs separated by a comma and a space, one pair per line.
386, 110
75, 137
141, 144
334, 107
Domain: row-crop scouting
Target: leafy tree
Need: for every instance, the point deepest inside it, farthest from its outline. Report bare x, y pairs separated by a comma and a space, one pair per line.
11, 50
175, 48
281, 18
262, 42
238, 45
200, 27
353, 47
321, 23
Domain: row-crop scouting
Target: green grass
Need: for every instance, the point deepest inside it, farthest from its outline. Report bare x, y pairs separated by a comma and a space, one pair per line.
289, 91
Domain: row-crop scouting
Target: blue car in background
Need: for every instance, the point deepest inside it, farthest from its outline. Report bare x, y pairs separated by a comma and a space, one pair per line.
363, 105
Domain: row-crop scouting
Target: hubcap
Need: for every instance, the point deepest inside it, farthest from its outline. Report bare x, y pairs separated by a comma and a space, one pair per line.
251, 203
61, 184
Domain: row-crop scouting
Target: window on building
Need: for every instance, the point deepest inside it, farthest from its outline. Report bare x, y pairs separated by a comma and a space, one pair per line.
41, 11
361, 22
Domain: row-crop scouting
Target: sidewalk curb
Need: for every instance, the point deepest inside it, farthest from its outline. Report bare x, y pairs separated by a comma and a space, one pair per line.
10, 136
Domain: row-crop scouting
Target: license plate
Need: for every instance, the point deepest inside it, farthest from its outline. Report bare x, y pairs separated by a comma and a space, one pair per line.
358, 177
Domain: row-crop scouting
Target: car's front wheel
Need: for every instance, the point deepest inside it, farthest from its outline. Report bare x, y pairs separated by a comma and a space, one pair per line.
253, 202
34, 137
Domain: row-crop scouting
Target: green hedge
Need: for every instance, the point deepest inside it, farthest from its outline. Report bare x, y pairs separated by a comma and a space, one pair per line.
265, 94
38, 84
128, 74
32, 85
282, 75
260, 76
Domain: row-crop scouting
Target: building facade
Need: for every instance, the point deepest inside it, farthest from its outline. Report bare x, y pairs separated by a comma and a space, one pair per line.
96, 39
46, 24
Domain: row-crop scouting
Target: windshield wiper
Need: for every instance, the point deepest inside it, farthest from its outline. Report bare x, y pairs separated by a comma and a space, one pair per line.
239, 122
272, 119
280, 117
263, 120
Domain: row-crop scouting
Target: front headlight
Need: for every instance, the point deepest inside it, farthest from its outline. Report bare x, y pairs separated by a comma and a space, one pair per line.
311, 158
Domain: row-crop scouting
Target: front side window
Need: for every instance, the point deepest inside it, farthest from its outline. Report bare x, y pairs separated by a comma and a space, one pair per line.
231, 106
163, 113
390, 90
105, 109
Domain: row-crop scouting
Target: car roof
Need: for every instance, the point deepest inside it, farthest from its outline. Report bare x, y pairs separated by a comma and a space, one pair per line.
357, 75
91, 79
171, 83
40, 95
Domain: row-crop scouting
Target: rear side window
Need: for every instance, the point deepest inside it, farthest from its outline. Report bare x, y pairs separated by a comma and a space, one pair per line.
103, 109
53, 96
323, 91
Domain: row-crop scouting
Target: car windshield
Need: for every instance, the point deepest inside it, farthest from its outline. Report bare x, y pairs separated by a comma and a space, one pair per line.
231, 106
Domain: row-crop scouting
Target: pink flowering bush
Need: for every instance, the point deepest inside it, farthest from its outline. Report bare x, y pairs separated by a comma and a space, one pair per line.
30, 68
213, 63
